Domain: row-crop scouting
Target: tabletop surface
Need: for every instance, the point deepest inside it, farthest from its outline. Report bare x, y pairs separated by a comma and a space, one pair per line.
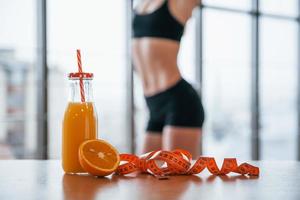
32, 179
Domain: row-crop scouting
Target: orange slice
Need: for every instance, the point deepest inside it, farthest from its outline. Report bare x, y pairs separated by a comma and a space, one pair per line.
98, 157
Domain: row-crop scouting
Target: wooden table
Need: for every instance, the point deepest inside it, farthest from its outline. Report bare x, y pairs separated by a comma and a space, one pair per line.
30, 179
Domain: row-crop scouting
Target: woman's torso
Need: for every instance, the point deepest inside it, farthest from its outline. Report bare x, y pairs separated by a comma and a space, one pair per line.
155, 56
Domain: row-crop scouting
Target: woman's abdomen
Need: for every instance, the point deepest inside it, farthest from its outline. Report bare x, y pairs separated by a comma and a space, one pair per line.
156, 63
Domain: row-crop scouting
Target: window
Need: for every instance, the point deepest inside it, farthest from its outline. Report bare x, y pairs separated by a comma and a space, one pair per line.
278, 85
233, 4
17, 79
226, 83
227, 69
280, 7
227, 62
186, 58
102, 42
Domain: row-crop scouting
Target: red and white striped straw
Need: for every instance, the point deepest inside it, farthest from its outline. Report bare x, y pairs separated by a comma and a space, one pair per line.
80, 80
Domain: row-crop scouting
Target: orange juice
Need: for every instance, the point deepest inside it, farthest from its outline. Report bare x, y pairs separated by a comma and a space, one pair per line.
79, 125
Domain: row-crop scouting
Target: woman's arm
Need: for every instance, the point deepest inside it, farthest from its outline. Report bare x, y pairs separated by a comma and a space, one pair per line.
183, 9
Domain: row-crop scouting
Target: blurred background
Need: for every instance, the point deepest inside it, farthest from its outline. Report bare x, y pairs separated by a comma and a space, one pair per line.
241, 55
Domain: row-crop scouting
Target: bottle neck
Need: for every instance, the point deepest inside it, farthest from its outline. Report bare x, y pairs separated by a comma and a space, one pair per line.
75, 90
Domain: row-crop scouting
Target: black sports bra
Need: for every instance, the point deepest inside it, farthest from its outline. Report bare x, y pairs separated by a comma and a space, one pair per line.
160, 23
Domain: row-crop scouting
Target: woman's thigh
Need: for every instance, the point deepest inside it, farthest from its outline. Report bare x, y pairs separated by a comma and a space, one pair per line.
182, 138
152, 142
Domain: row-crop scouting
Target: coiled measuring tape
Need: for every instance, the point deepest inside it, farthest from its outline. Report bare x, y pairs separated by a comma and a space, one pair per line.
178, 162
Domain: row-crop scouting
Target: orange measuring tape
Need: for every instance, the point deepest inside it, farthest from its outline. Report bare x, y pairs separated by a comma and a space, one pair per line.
178, 162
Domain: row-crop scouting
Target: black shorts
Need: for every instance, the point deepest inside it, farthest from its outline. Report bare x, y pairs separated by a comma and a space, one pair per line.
178, 106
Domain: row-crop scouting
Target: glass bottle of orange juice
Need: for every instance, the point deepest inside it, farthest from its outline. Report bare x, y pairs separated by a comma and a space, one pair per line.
80, 120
